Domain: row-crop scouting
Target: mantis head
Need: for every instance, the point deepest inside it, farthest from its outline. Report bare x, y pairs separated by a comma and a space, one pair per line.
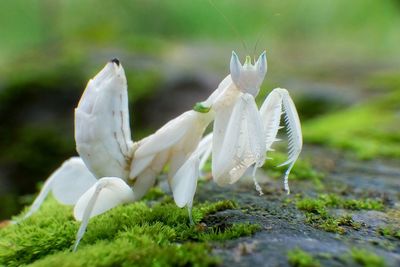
248, 77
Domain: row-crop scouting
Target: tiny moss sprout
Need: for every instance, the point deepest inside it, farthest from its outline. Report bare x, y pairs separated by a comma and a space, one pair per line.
317, 214
300, 258
366, 258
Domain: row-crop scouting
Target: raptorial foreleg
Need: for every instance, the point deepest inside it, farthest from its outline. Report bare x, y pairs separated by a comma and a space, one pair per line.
277, 103
107, 193
67, 184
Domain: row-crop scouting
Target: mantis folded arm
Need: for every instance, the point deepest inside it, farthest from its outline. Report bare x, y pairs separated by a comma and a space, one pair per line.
277, 103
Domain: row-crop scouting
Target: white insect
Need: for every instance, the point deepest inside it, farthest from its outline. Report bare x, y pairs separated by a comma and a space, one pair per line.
112, 169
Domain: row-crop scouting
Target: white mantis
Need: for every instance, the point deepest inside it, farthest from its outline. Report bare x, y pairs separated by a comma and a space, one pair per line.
112, 169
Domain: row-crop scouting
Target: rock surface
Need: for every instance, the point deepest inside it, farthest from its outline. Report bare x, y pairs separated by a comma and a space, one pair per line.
284, 227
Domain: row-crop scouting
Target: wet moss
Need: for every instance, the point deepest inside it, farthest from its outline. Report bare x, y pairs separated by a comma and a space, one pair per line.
140, 234
366, 258
390, 232
301, 258
392, 229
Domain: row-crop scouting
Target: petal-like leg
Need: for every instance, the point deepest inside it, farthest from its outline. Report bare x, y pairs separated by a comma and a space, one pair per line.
167, 136
292, 122
271, 111
139, 165
243, 144
67, 184
184, 182
143, 183
224, 151
102, 133
144, 180
41, 197
207, 141
73, 180
255, 135
107, 193
223, 109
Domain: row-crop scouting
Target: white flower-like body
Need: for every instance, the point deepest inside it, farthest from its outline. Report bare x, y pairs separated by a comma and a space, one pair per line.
113, 170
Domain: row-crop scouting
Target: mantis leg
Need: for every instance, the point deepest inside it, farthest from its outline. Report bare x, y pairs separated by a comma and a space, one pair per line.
107, 193
279, 101
208, 140
243, 144
184, 181
67, 184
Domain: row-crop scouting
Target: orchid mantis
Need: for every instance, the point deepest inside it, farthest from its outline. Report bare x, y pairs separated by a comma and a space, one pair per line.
112, 169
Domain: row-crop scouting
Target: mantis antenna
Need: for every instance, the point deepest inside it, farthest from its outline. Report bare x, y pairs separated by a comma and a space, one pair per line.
255, 46
230, 25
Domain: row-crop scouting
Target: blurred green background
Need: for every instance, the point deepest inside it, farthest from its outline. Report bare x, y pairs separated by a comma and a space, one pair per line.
332, 55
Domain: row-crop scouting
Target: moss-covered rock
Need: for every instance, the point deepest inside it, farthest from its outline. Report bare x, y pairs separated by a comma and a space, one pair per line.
317, 213
146, 233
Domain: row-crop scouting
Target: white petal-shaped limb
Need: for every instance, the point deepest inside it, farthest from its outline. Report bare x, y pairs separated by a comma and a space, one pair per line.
72, 181
184, 182
243, 142
102, 133
207, 142
176, 141
278, 100
105, 194
271, 111
168, 135
67, 184
146, 179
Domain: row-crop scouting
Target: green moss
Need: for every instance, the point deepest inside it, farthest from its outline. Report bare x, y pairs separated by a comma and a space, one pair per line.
390, 231
368, 130
300, 258
334, 201
317, 214
139, 234
366, 258
331, 223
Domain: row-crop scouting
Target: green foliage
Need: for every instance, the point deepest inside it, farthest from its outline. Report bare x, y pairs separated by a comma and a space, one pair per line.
128, 23
317, 214
368, 130
317, 205
390, 231
138, 234
366, 258
300, 258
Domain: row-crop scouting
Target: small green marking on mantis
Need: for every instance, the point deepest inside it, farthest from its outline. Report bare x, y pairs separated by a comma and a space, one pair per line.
200, 108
